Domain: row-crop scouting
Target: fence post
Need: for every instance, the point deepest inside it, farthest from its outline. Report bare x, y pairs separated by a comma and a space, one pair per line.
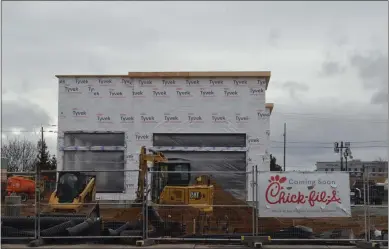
364, 201
256, 201
146, 222
253, 197
368, 208
36, 209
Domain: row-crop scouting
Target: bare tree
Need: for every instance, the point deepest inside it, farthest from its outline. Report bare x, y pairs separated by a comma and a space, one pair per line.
21, 154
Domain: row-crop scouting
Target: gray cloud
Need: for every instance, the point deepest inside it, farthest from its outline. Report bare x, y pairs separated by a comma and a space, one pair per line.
23, 114
372, 67
274, 37
117, 37
294, 88
331, 68
311, 133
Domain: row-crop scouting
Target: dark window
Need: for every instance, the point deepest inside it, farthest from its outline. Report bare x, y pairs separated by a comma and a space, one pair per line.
200, 140
106, 182
94, 139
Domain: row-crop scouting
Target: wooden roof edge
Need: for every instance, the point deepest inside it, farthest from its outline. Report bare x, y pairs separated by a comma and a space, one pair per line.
90, 75
270, 106
194, 74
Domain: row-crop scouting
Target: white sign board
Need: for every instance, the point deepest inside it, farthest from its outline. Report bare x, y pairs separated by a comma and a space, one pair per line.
304, 194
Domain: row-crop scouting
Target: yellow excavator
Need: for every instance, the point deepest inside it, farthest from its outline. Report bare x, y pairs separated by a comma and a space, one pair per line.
170, 182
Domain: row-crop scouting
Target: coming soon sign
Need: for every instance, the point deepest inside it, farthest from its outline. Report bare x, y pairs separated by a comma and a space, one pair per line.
304, 194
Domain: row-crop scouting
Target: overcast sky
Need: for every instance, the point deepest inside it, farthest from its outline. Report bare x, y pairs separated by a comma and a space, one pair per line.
329, 61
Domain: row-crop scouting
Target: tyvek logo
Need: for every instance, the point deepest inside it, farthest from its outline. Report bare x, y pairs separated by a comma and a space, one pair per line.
253, 140
241, 119
93, 92
130, 157
256, 91
193, 118
217, 118
230, 93
101, 118
115, 93
183, 93
207, 92
62, 82
261, 82
127, 82
73, 89
124, 118
105, 82
169, 82
216, 82
147, 118
263, 114
171, 118
138, 94
144, 83
240, 82
81, 81
192, 82
79, 113
142, 136
159, 93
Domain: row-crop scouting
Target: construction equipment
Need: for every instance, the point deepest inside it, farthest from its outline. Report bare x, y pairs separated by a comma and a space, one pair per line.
23, 186
170, 182
75, 195
375, 193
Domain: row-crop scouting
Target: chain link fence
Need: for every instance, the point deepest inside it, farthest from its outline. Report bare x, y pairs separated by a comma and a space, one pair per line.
174, 206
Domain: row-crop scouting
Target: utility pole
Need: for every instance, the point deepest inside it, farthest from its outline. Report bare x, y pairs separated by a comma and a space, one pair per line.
38, 185
284, 147
341, 156
338, 148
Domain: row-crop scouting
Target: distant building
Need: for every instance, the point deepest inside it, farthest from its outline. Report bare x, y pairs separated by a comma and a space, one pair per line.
376, 168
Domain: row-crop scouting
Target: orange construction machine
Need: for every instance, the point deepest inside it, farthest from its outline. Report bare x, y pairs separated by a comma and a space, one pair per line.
23, 186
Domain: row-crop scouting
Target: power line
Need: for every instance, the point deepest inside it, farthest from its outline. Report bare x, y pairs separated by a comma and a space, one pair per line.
326, 147
343, 118
24, 131
316, 142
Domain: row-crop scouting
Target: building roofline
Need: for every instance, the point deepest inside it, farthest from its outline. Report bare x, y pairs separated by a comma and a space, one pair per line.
194, 74
269, 106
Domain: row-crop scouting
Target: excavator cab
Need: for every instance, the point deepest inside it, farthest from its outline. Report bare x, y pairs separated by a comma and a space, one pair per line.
75, 194
163, 175
70, 185
170, 188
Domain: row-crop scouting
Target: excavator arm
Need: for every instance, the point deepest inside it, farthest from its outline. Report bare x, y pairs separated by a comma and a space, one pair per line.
143, 169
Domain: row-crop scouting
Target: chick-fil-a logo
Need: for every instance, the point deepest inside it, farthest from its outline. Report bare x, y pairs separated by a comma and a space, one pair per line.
276, 194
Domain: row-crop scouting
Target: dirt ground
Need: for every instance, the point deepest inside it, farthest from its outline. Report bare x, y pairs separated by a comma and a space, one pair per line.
230, 219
